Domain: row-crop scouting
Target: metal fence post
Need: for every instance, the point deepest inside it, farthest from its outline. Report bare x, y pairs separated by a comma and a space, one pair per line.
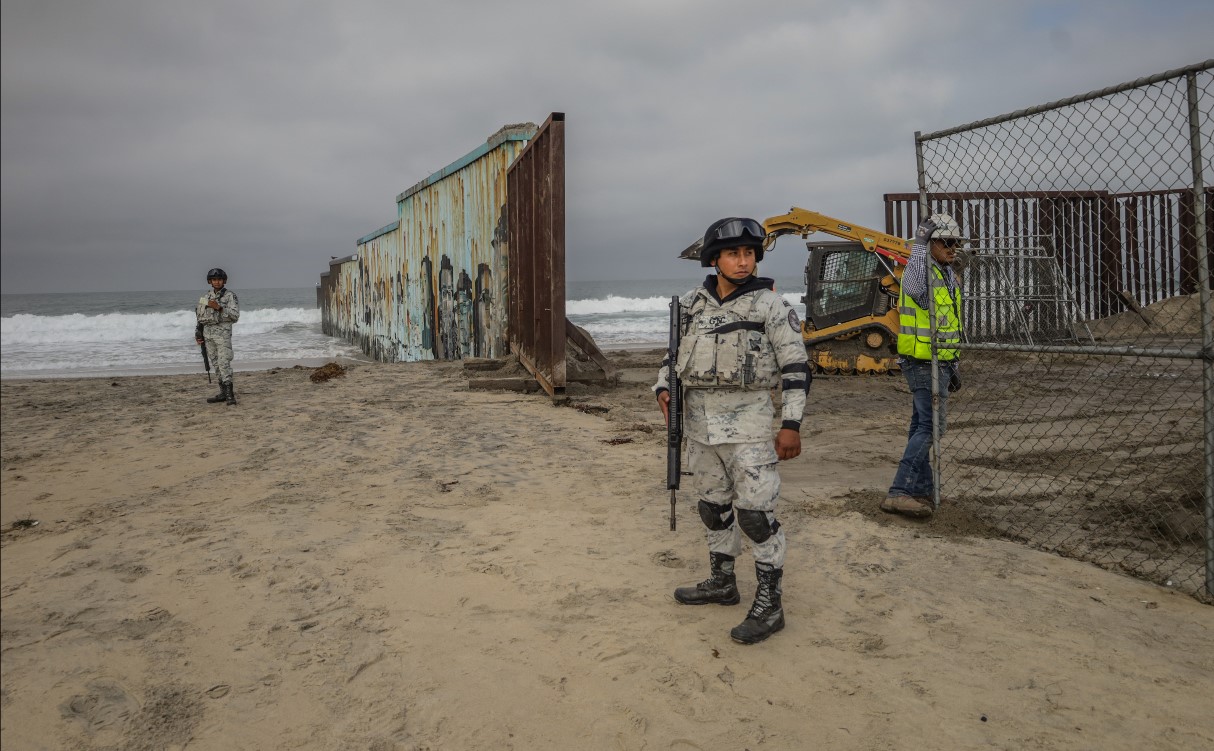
1207, 320
925, 211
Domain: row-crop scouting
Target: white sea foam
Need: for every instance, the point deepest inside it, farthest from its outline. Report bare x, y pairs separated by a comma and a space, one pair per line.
135, 327
637, 326
76, 342
613, 304
82, 343
634, 331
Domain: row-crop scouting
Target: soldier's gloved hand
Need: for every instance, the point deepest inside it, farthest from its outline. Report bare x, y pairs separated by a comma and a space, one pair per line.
954, 380
925, 231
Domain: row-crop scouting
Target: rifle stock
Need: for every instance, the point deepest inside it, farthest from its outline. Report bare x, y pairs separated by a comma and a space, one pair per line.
674, 426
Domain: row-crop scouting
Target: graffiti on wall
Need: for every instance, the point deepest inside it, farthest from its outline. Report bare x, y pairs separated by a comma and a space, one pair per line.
482, 310
430, 285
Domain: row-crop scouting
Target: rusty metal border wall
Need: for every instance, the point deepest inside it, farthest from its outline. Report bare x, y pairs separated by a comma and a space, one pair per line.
432, 284
536, 231
1112, 250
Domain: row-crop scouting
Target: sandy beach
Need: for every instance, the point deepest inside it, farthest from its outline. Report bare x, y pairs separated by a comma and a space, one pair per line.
389, 560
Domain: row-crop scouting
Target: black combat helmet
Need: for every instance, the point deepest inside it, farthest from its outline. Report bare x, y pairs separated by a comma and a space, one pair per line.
732, 232
217, 274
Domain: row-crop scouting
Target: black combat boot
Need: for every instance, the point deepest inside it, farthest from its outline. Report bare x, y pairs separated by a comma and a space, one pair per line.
720, 587
222, 396
231, 394
766, 615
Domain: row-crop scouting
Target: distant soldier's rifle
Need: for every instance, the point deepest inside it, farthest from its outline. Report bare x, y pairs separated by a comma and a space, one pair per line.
206, 361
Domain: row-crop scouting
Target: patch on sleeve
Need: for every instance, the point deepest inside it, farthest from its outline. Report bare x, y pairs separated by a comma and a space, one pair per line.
792, 320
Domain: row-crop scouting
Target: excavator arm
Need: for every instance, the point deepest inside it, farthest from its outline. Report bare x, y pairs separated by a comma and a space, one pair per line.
804, 223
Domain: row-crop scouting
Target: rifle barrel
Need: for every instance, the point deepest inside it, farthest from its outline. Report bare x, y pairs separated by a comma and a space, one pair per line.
674, 425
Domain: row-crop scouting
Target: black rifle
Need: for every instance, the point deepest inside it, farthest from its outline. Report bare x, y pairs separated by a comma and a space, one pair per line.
674, 425
206, 361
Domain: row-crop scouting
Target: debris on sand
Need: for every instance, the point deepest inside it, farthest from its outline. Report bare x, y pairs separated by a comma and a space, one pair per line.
327, 371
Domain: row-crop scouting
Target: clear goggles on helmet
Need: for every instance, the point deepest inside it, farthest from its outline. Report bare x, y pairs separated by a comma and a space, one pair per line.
737, 229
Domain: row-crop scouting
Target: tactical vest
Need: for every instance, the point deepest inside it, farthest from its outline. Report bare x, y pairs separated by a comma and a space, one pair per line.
736, 353
207, 315
915, 331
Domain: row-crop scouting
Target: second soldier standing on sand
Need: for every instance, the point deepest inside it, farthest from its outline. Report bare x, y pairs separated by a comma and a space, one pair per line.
739, 340
217, 311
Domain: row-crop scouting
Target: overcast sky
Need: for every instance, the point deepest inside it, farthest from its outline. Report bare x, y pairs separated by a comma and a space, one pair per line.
144, 142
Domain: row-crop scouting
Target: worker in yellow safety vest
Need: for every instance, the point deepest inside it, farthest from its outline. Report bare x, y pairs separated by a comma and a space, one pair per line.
929, 272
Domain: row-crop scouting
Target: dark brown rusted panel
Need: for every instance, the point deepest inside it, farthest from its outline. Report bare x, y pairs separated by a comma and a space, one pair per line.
1210, 232
556, 227
1147, 251
1110, 258
536, 187
1141, 241
1132, 246
1169, 207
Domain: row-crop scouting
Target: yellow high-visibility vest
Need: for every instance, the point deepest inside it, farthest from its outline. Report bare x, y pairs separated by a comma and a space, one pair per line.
915, 332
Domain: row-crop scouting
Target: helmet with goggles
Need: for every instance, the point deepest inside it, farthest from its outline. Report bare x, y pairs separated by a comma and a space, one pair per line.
732, 232
217, 273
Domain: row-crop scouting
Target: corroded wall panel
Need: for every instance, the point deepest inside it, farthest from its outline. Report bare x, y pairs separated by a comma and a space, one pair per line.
432, 284
537, 236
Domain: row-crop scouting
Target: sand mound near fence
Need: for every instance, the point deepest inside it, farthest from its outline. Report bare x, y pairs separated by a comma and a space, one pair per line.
1178, 316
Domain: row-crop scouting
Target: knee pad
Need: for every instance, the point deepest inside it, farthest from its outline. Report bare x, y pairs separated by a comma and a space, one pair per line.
755, 525
711, 514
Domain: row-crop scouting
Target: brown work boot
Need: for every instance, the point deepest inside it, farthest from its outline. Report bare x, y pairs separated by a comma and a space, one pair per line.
907, 506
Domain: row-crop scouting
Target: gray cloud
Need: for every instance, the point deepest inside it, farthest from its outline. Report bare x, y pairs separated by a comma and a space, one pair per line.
144, 142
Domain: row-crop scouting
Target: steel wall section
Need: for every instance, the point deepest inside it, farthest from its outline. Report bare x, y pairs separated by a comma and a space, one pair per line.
378, 255
453, 268
1105, 244
536, 227
432, 284
341, 300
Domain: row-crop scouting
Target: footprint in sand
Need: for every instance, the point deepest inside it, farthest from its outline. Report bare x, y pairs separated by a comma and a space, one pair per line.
103, 708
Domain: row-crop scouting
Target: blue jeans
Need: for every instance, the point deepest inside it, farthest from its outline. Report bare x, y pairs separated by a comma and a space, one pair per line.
914, 475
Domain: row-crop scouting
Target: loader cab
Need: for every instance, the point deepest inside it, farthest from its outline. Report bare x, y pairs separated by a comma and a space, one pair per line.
842, 284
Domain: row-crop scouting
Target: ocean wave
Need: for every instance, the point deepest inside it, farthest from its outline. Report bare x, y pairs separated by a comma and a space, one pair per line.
616, 304
25, 329
634, 331
613, 304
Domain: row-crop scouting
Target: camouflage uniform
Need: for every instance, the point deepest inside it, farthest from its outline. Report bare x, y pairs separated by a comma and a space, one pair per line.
215, 328
732, 353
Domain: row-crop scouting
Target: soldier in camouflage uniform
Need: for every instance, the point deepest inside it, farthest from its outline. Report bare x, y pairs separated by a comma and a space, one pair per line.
739, 340
217, 311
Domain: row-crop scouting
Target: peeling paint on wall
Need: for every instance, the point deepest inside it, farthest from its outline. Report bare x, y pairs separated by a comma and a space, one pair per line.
431, 285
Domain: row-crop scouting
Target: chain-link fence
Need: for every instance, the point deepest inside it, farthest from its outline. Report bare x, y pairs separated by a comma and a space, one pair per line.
1086, 423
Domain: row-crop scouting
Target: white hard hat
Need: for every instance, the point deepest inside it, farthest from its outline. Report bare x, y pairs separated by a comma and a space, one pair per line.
947, 229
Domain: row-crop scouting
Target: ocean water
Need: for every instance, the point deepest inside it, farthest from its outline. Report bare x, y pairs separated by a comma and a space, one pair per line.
137, 333
98, 334
632, 314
